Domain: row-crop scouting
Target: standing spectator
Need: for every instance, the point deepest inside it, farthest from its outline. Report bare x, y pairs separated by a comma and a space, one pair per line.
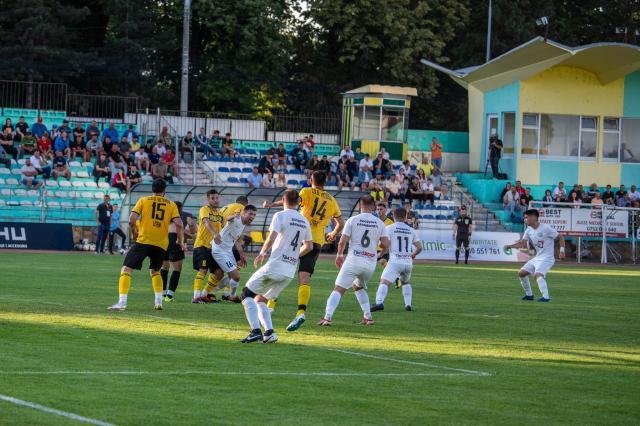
28, 143
495, 152
141, 160
60, 167
227, 146
133, 176
343, 178
169, 158
165, 136
45, 146
102, 168
29, 174
114, 229
511, 202
265, 164
364, 178
93, 129
393, 187
254, 179
436, 178
93, 146
348, 152
186, 146
107, 145
110, 132
560, 193
38, 129
299, 156
281, 155
61, 144
102, 216
4, 158
436, 153
267, 180
608, 196
79, 148
21, 130
120, 181
366, 161
619, 197
7, 142
520, 189
41, 164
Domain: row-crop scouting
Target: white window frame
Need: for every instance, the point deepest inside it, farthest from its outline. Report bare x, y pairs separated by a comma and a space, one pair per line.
591, 159
613, 132
528, 127
515, 128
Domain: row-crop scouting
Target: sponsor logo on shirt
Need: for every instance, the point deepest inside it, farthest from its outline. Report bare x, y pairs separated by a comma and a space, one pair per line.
363, 253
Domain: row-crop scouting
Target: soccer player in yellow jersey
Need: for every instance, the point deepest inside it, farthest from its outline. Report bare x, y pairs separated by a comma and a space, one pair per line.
318, 207
381, 211
155, 214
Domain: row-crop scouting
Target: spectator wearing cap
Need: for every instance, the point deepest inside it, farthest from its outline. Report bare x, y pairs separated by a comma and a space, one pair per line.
436, 153
21, 130
61, 144
110, 132
102, 215
28, 143
29, 175
38, 129
60, 167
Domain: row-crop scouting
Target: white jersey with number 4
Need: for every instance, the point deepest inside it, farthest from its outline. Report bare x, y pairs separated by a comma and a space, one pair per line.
293, 229
401, 240
543, 240
364, 232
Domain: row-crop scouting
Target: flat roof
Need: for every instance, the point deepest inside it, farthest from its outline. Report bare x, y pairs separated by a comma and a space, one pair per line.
384, 90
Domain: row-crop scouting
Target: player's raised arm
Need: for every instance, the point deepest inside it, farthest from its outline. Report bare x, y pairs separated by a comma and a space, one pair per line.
267, 204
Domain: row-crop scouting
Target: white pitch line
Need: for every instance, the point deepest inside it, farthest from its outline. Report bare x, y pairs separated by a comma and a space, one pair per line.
49, 410
422, 364
223, 373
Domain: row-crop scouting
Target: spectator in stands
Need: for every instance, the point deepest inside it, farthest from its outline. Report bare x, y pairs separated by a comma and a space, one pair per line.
169, 158
310, 143
591, 193
405, 168
560, 193
575, 199
8, 128
29, 174
436, 153
268, 181
125, 149
38, 129
412, 215
436, 178
78, 148
135, 146
215, 143
415, 193
78, 131
393, 187
227, 146
348, 152
376, 189
54, 132
281, 157
343, 178
4, 158
254, 179
201, 142
265, 164
116, 160
120, 181
634, 195
519, 188
421, 175
102, 215
314, 163
160, 170
21, 130
130, 133
114, 229
45, 146
384, 153
61, 144
382, 165
160, 147
165, 136
511, 202
102, 168
525, 199
7, 142
325, 165
507, 188
428, 190
65, 128
574, 190
364, 178
621, 197
299, 156
93, 146
60, 167
596, 200
107, 145
110, 132
154, 157
93, 129
358, 155
608, 197
133, 176
186, 146
141, 160
405, 183
28, 143
425, 165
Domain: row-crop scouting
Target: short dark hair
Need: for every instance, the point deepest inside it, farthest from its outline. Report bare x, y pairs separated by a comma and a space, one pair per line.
381, 204
242, 199
250, 207
211, 192
319, 178
368, 201
532, 212
158, 186
178, 205
399, 214
291, 196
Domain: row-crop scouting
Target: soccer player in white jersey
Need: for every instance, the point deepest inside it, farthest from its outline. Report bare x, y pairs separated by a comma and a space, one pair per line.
229, 237
404, 246
363, 232
542, 237
290, 236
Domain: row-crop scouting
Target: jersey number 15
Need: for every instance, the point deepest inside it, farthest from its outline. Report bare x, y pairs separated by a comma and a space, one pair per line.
157, 211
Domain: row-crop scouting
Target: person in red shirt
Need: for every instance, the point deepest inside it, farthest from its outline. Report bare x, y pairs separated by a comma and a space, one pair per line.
520, 189
44, 145
169, 158
311, 143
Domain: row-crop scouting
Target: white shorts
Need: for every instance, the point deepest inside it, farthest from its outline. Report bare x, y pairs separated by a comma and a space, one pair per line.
267, 284
538, 266
351, 272
225, 261
395, 270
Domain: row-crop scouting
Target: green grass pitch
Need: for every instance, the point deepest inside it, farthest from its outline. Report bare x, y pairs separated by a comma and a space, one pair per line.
471, 352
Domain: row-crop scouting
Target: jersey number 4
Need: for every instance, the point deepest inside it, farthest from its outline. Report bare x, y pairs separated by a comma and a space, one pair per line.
157, 211
319, 211
294, 242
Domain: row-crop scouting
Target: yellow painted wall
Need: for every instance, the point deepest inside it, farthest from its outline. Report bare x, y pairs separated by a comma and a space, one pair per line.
571, 91
370, 147
476, 127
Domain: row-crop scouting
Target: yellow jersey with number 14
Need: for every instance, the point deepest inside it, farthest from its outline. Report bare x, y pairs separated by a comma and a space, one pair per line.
318, 206
204, 237
155, 214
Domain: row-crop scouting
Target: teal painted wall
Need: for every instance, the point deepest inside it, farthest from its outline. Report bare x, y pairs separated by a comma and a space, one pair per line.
420, 140
552, 172
632, 95
630, 174
504, 99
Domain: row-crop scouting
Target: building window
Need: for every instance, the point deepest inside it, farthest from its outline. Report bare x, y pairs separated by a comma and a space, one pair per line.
561, 137
611, 139
358, 117
392, 124
370, 127
530, 135
588, 138
630, 141
508, 133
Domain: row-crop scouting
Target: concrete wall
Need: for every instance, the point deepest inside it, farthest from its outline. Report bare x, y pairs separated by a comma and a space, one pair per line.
504, 99
476, 127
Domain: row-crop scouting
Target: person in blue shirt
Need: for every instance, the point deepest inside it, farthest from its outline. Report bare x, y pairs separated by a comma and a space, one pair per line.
254, 179
114, 229
64, 127
61, 144
130, 133
111, 132
38, 129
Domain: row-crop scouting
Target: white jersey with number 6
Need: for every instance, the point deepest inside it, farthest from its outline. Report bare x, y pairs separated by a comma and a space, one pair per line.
293, 229
542, 239
364, 232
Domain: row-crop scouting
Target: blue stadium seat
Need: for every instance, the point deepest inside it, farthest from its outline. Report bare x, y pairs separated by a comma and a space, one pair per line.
430, 207
223, 169
233, 180
244, 180
292, 182
428, 217
295, 172
441, 217
247, 170
235, 170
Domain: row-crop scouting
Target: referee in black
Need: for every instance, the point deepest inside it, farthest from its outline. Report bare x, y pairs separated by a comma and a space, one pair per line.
462, 229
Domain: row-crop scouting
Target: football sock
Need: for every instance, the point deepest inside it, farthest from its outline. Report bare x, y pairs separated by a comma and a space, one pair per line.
407, 292
332, 304
271, 304
197, 284
526, 285
251, 312
222, 284
264, 314
156, 283
233, 284
304, 295
212, 282
542, 285
170, 294
363, 300
457, 255
164, 273
124, 283
381, 294
173, 282
466, 255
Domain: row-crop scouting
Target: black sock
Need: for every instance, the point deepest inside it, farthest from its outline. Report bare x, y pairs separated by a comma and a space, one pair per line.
466, 255
173, 282
457, 254
164, 274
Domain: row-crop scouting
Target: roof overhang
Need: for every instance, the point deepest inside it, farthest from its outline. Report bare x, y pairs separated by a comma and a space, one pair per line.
384, 90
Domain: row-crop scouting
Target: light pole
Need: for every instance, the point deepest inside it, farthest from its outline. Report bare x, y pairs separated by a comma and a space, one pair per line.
184, 86
489, 32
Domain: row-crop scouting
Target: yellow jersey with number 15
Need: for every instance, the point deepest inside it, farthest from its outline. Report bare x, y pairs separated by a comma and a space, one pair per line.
318, 206
204, 237
155, 214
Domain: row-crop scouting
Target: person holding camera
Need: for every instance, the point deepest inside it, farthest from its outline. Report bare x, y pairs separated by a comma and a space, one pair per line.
495, 152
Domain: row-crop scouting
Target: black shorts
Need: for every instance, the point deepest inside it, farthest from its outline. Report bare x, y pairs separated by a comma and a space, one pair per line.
236, 253
203, 259
462, 240
308, 261
174, 252
138, 252
385, 257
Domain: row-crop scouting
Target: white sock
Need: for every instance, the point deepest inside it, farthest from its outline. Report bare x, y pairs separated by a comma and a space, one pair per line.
542, 285
264, 314
164, 292
196, 293
170, 293
158, 298
381, 294
332, 304
251, 312
123, 299
407, 292
234, 287
222, 284
526, 285
363, 299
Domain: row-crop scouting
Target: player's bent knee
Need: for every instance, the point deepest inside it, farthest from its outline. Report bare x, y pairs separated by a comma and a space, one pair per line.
538, 275
247, 293
522, 273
